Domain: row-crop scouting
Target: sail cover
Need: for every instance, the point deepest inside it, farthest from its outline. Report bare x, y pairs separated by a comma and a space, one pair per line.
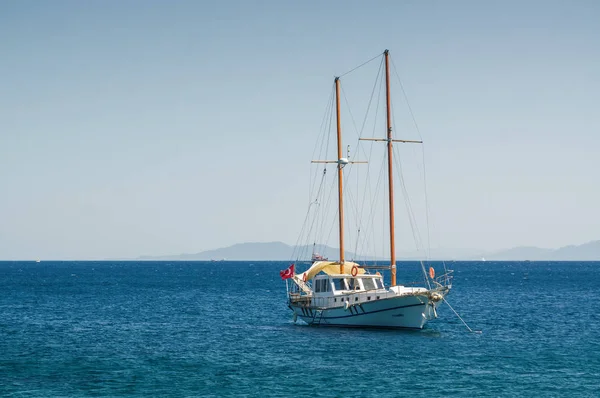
330, 268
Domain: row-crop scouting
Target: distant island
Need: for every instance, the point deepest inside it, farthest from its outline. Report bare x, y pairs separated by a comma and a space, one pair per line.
279, 251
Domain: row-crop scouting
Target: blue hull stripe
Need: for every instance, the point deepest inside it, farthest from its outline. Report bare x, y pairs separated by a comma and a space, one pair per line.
371, 312
343, 325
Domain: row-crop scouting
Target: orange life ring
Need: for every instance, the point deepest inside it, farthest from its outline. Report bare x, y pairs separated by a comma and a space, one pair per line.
354, 270
431, 272
304, 278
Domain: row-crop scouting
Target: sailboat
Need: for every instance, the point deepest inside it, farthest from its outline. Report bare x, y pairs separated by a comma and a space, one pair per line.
317, 257
345, 293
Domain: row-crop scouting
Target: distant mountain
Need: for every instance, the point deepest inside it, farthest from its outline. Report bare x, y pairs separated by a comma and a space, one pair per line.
520, 253
266, 251
586, 252
273, 251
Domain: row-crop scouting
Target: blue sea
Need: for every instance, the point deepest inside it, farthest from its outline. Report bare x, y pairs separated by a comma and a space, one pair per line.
184, 329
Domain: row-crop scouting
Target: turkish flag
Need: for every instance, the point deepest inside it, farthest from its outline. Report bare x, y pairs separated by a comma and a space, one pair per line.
287, 273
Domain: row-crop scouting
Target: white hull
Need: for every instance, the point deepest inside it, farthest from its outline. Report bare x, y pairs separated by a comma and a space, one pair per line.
403, 311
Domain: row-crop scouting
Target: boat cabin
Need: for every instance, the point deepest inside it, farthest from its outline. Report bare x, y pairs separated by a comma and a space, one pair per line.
334, 285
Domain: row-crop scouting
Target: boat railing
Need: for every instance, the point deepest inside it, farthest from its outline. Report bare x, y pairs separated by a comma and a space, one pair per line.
444, 279
301, 286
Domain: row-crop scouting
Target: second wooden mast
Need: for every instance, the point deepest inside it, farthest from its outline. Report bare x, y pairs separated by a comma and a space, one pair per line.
341, 162
390, 151
340, 173
390, 170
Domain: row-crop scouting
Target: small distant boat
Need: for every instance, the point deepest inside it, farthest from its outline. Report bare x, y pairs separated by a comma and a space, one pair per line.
483, 259
318, 257
37, 261
343, 293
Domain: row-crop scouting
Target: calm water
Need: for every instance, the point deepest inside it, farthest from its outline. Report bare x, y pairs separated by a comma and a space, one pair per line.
223, 329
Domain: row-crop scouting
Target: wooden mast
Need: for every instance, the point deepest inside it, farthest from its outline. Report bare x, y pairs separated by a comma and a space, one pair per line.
390, 171
389, 141
341, 162
340, 173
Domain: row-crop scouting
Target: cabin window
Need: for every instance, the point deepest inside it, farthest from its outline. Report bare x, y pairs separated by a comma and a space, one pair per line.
339, 284
321, 285
354, 284
369, 283
379, 283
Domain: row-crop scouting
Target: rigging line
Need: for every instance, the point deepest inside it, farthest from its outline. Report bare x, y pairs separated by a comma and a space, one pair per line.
374, 197
318, 203
325, 211
360, 148
407, 202
427, 246
359, 133
354, 205
462, 320
411, 214
411, 217
351, 203
423, 156
361, 227
328, 204
379, 73
406, 99
358, 214
350, 111
324, 143
372, 94
356, 245
427, 208
347, 175
327, 115
360, 66
346, 192
318, 216
327, 112
324, 154
322, 139
425, 274
359, 210
327, 129
369, 156
426, 203
296, 250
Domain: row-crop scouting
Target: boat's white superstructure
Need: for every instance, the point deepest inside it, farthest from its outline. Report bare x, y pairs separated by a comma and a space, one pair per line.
343, 293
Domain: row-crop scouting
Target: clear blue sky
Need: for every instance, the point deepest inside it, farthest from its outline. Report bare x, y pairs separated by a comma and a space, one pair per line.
155, 127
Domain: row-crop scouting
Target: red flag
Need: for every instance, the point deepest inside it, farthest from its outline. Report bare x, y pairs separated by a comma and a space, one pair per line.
287, 273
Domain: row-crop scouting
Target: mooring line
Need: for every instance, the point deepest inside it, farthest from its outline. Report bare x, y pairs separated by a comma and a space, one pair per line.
464, 323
